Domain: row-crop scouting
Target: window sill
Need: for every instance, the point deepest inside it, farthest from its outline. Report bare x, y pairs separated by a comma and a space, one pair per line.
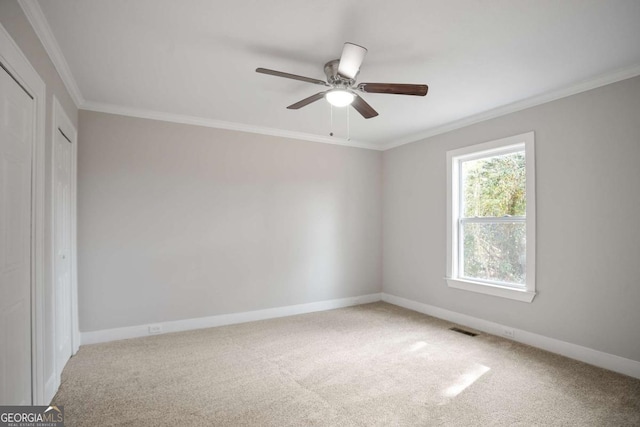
495, 290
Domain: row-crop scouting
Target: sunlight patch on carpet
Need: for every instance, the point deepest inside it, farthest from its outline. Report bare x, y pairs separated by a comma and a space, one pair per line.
465, 380
418, 345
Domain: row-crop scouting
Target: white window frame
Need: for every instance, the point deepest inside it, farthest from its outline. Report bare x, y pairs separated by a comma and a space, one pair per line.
507, 145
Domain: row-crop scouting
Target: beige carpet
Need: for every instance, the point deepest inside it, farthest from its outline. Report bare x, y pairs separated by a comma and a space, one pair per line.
371, 365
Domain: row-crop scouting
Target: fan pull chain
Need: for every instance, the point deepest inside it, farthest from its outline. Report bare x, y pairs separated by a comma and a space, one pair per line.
331, 114
348, 126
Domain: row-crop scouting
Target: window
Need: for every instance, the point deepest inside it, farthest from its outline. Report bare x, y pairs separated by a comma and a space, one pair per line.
491, 218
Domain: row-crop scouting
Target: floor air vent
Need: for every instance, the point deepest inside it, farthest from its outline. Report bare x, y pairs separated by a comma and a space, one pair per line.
462, 331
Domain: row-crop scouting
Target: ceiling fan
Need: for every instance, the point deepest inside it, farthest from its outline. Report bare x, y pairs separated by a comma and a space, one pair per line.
341, 79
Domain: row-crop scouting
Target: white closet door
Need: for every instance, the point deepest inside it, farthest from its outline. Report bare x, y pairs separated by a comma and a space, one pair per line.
62, 248
16, 142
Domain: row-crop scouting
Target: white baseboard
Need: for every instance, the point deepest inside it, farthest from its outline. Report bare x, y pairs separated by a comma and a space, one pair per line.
573, 351
106, 335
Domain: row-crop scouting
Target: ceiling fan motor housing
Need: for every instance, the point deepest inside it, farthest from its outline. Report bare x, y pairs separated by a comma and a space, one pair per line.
335, 79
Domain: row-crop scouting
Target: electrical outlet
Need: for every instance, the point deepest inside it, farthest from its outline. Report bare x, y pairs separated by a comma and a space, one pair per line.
155, 329
508, 332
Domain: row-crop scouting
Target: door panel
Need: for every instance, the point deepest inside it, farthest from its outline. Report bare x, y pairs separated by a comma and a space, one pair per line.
16, 142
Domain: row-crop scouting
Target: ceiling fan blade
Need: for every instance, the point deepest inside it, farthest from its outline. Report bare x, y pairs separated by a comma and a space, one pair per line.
351, 59
291, 76
394, 88
363, 108
307, 101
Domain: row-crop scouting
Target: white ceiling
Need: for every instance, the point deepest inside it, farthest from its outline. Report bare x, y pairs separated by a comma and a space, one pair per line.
197, 58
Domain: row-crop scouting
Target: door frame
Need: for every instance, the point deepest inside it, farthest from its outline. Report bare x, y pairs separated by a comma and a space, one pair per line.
62, 121
21, 69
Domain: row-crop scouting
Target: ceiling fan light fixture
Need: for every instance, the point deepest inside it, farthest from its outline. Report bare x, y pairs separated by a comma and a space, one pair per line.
339, 97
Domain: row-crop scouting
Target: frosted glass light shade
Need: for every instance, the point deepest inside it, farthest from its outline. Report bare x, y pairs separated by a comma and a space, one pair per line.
339, 97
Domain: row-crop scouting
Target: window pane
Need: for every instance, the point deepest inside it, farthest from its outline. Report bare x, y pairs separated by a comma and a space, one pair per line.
494, 186
494, 251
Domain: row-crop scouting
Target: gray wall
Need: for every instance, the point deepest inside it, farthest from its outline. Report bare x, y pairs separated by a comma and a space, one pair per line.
179, 221
588, 235
15, 22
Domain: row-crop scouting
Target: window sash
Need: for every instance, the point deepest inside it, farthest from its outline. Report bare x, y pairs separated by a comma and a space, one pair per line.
484, 220
518, 148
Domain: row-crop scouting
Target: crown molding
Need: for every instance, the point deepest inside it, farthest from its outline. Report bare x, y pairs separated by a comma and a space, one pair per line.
40, 25
219, 124
583, 86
